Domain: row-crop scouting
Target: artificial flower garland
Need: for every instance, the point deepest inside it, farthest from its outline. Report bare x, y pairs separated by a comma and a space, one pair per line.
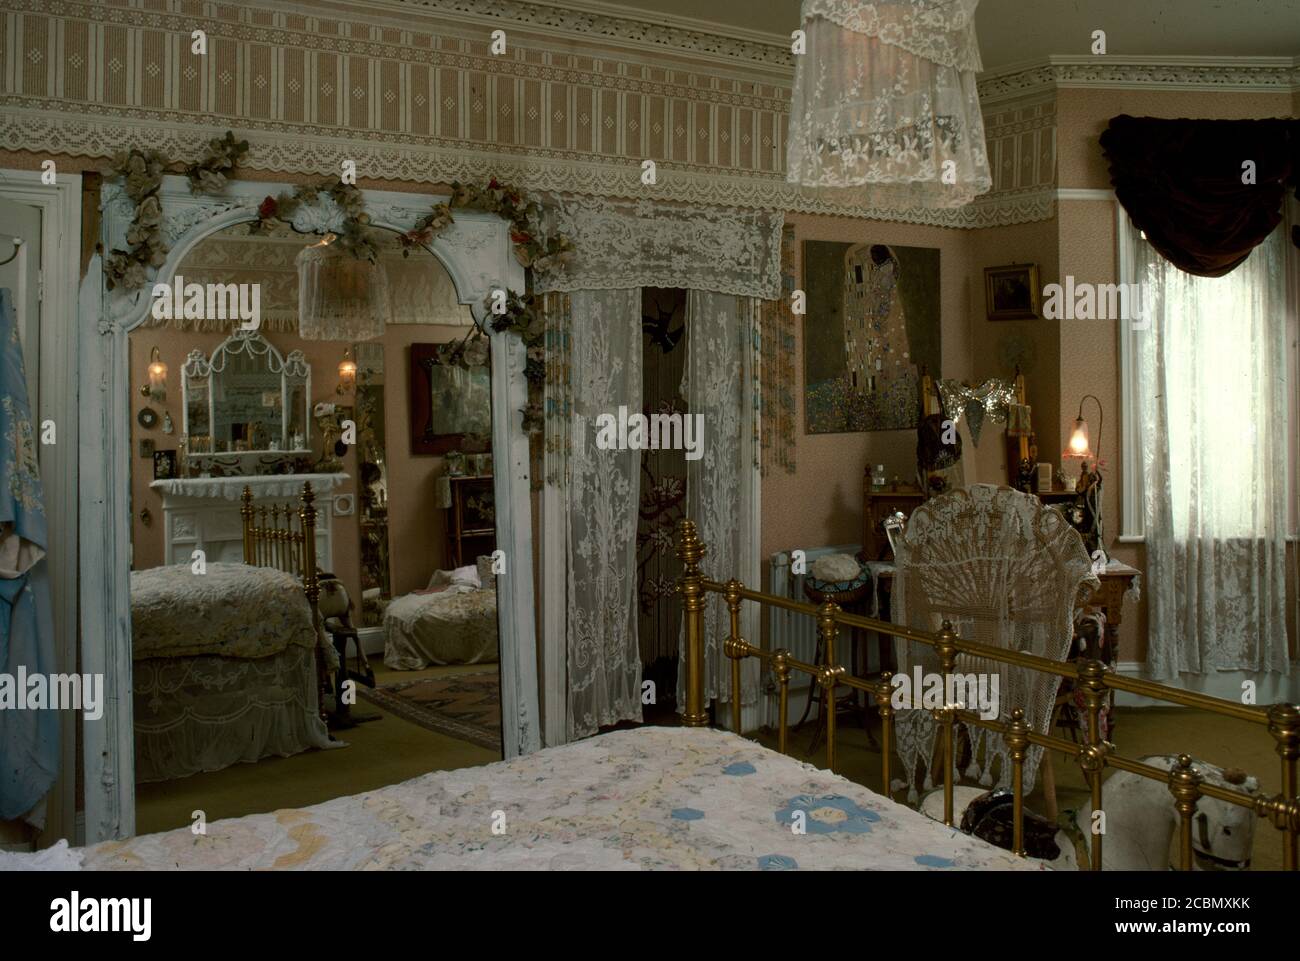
141, 172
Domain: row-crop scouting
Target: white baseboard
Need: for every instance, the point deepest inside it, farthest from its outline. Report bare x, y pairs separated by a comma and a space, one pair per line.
372, 639
1269, 688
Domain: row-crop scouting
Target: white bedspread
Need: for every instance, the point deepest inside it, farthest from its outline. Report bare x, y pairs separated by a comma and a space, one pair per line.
232, 610
454, 626
652, 798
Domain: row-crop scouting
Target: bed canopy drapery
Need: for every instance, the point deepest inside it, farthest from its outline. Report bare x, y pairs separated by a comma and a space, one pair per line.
885, 106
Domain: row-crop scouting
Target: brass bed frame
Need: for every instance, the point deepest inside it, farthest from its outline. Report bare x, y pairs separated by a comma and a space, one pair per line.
271, 539
1092, 677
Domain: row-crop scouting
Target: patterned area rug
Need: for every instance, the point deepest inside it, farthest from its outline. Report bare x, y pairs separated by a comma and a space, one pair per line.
465, 706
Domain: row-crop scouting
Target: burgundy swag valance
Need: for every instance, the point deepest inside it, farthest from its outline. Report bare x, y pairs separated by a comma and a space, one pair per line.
1181, 182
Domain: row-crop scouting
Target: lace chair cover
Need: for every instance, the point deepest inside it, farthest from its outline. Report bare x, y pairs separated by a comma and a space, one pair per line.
1007, 571
884, 98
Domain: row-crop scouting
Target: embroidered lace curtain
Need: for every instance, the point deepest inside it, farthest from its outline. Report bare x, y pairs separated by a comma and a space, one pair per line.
1212, 396
885, 102
604, 662
719, 331
643, 243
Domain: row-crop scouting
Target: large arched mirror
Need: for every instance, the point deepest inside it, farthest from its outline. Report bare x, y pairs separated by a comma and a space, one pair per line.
408, 531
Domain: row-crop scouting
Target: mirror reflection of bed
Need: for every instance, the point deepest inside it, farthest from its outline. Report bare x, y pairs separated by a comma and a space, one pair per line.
393, 433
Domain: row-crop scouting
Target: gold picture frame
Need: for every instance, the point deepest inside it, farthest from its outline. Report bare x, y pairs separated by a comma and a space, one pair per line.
1012, 292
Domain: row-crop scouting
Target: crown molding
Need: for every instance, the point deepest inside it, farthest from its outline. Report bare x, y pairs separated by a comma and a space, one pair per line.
1277, 74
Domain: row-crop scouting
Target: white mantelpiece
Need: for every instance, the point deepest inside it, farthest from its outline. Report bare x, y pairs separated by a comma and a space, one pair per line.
202, 513
262, 486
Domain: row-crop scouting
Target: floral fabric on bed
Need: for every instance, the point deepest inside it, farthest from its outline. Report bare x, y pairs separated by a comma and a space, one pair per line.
652, 798
233, 610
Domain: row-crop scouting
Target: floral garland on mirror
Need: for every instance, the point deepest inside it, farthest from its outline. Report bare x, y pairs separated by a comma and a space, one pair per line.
141, 173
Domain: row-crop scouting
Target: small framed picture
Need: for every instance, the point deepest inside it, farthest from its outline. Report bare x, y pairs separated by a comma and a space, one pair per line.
1012, 292
164, 464
146, 449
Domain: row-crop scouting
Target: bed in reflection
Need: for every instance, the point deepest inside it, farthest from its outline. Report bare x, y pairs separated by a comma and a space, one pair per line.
452, 621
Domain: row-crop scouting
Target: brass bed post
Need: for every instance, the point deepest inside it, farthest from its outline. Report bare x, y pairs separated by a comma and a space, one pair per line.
781, 671
947, 647
311, 586
828, 674
1185, 786
1092, 678
690, 550
246, 513
735, 650
1284, 725
884, 706
1017, 738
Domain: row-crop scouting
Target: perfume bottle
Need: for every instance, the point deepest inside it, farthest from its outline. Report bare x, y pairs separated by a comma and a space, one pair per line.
878, 477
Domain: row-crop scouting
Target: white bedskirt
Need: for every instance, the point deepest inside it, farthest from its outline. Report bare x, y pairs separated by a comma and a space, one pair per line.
206, 713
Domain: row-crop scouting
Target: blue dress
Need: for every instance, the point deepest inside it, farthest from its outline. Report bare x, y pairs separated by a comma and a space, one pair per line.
29, 738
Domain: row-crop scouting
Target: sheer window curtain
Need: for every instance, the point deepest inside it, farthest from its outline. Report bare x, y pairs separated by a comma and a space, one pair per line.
604, 661
1212, 389
719, 488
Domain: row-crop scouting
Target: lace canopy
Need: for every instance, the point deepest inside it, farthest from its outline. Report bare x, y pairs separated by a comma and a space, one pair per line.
1007, 572
623, 244
341, 297
885, 102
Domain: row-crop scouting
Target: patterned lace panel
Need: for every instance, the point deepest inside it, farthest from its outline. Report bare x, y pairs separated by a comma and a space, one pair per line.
1212, 396
884, 124
1007, 572
718, 330
624, 243
604, 660
942, 31
204, 713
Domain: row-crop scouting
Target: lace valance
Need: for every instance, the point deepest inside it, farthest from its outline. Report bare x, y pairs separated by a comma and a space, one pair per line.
643, 243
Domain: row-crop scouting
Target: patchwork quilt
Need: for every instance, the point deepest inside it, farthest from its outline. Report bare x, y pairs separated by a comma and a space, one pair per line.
646, 799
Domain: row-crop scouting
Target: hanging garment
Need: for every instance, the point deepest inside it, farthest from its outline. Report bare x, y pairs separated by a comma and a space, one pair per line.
29, 738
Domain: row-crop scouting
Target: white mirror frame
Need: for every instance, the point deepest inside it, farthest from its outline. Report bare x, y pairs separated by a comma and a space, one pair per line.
197, 364
477, 253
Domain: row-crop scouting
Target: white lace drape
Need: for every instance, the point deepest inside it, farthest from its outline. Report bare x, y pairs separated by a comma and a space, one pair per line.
643, 243
719, 330
1212, 396
604, 662
1007, 572
885, 102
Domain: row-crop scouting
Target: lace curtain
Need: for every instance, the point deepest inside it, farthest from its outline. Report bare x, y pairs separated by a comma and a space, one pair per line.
885, 102
604, 663
1007, 572
1212, 396
642, 243
719, 330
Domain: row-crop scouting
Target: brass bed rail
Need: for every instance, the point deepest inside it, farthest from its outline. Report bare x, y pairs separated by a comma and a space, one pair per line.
1093, 678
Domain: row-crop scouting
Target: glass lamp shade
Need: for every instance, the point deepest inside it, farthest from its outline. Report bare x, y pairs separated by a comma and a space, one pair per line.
157, 376
347, 372
885, 103
341, 297
1079, 448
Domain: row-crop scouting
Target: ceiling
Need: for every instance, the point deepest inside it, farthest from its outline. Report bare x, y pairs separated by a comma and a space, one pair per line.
1014, 31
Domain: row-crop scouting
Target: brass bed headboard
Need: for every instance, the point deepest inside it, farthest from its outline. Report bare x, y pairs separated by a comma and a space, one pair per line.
271, 539
1092, 677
